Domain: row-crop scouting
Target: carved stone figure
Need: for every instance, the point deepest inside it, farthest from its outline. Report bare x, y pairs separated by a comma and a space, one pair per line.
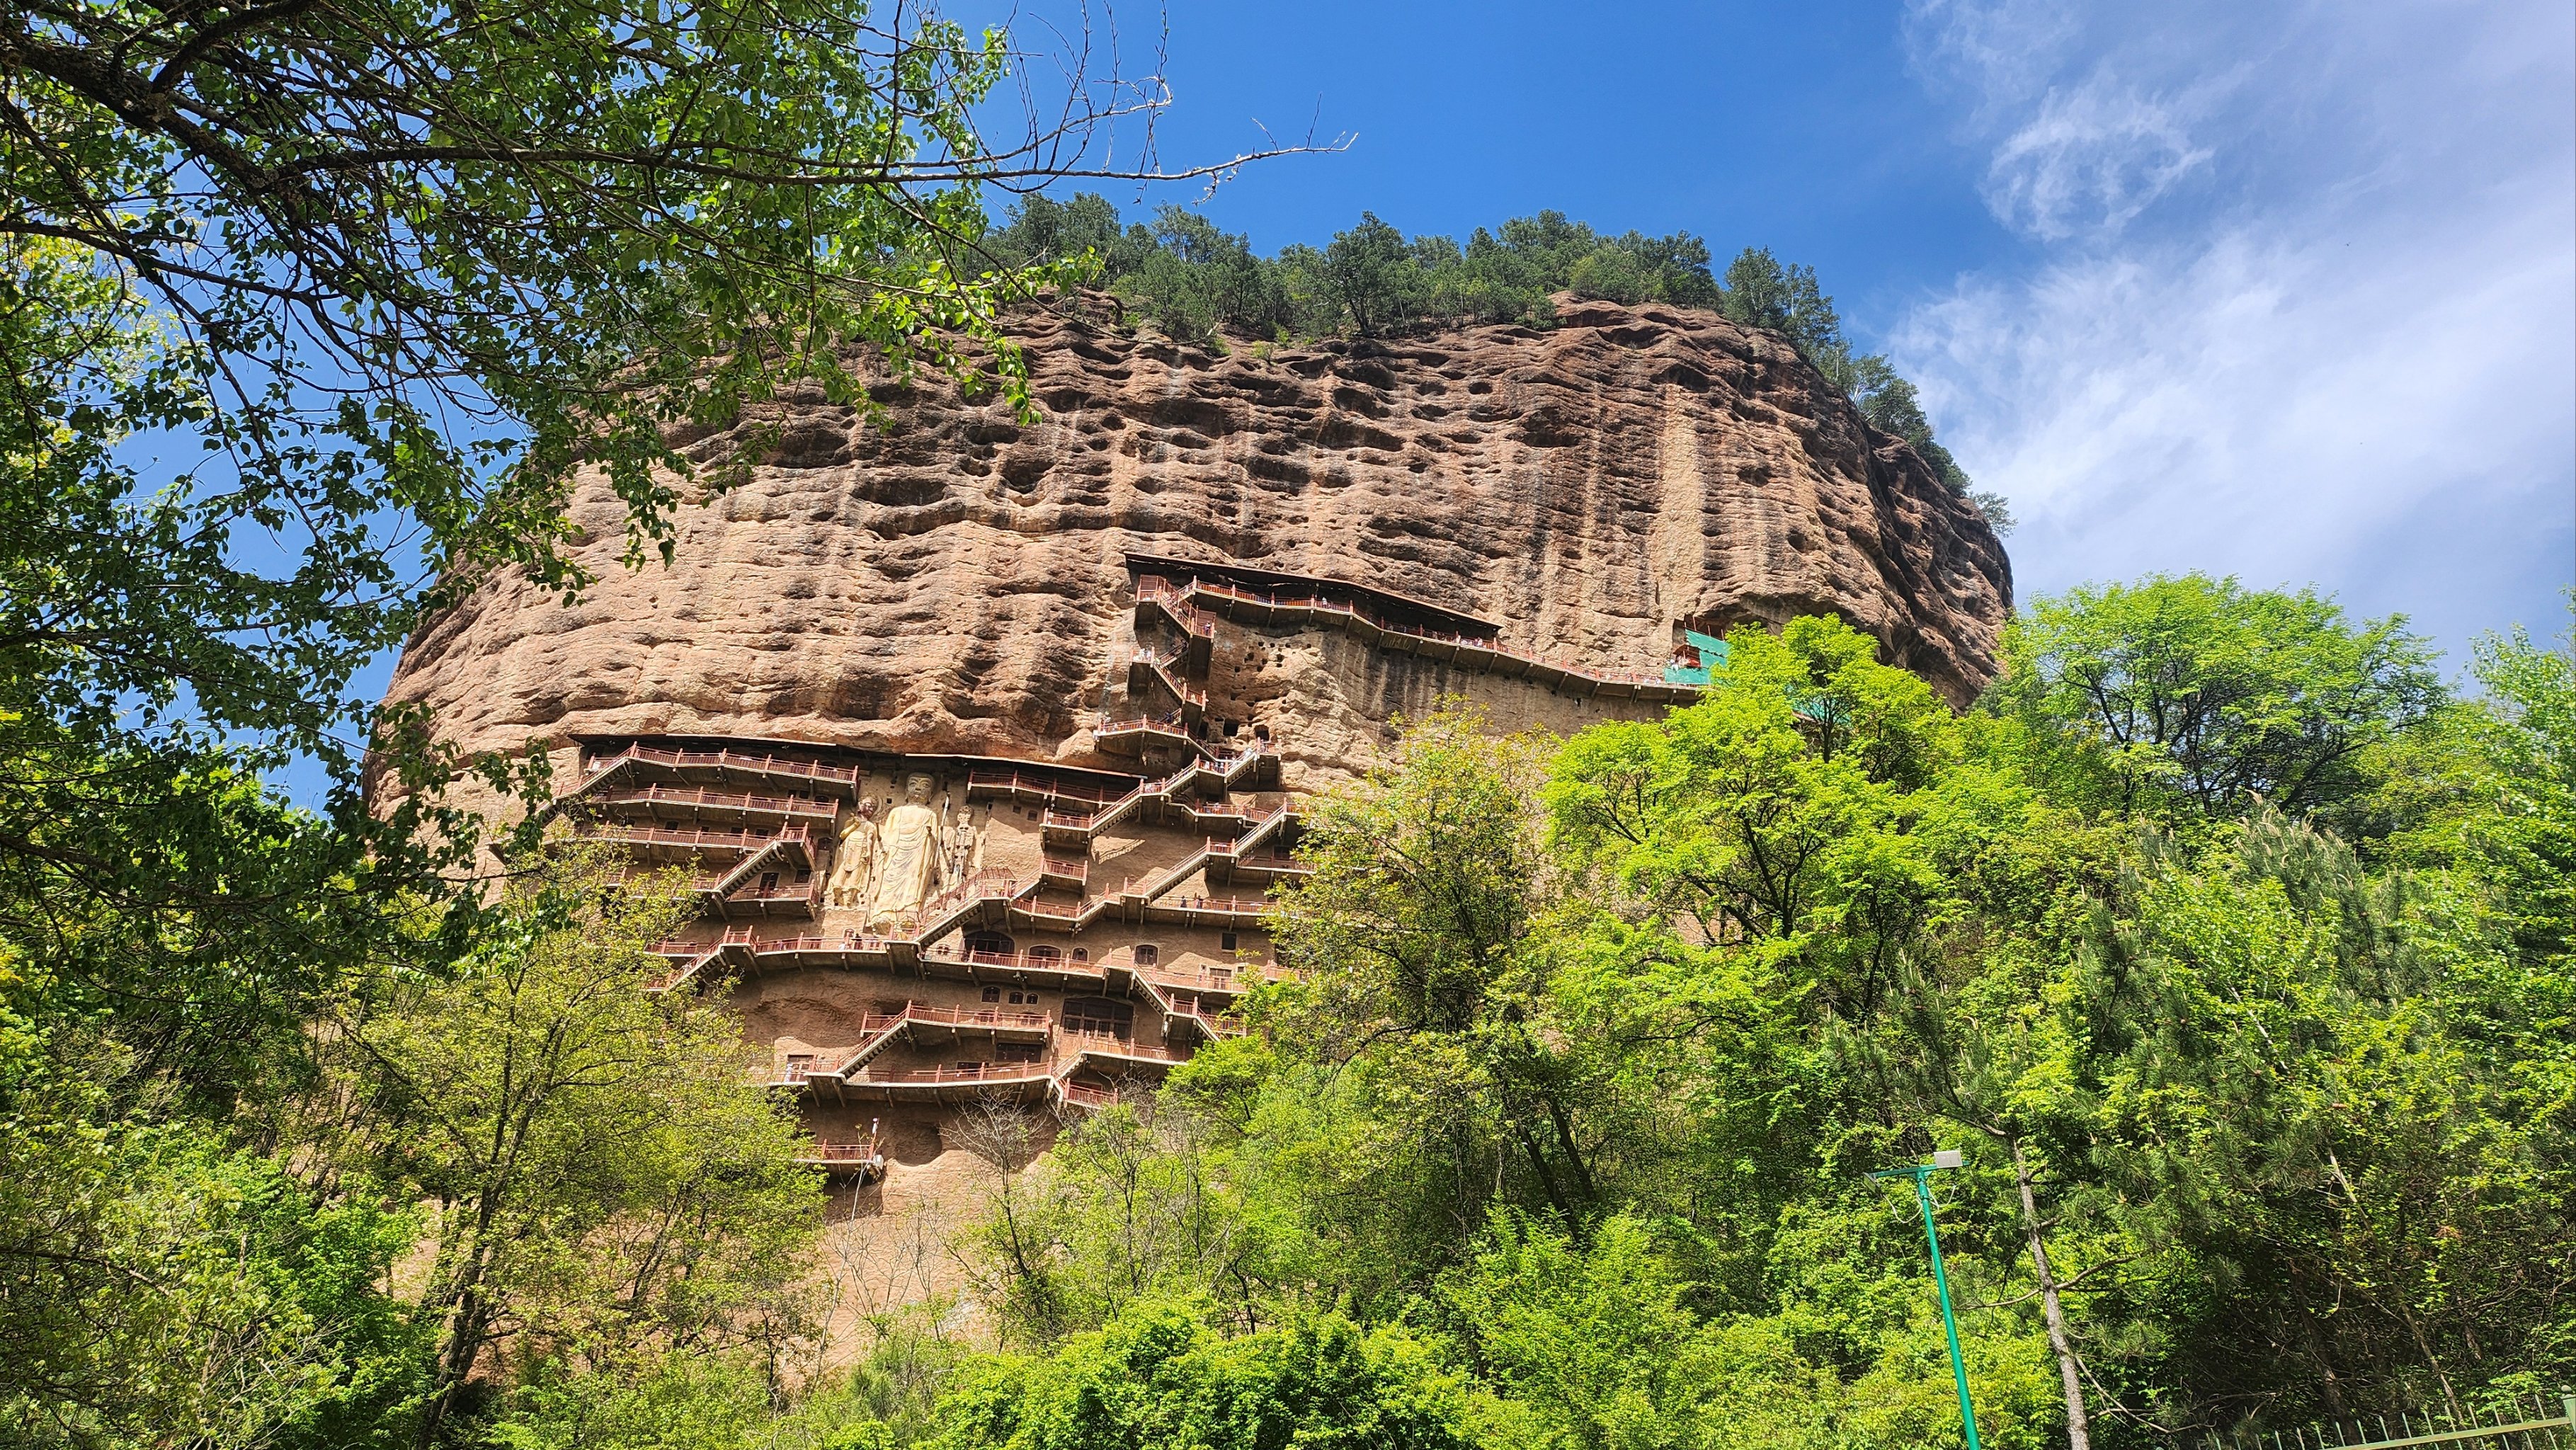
965, 846
908, 863
853, 856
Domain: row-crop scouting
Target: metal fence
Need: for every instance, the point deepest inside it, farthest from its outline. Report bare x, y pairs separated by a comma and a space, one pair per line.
2529, 1425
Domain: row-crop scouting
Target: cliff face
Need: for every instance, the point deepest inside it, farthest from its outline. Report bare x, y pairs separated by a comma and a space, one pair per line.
955, 581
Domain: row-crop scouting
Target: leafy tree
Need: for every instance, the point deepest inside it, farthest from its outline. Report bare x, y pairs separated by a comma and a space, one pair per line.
1372, 275
1891, 405
1424, 973
1042, 230
390, 275
159, 1285
611, 1182
1777, 813
1597, 1348
1195, 280
1127, 1206
2489, 791
1197, 284
2197, 694
1760, 292
1158, 1379
2385, 1196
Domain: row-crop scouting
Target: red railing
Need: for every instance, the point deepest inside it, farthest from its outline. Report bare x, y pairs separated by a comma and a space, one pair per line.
990, 1017
1223, 767
1168, 723
982, 883
1175, 604
781, 945
730, 760
705, 796
1205, 979
1239, 905
745, 839
1116, 1046
1161, 665
1014, 781
981, 1072
1032, 959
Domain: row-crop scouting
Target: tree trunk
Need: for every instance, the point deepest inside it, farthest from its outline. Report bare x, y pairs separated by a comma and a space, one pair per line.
2079, 1435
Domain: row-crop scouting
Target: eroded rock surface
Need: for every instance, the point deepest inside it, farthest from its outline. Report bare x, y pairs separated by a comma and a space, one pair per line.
955, 581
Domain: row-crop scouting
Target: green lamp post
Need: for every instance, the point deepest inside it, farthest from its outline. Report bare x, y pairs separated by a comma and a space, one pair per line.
1922, 1173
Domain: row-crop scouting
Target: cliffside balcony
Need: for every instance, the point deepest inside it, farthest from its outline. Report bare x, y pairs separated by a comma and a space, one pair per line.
1253, 767
990, 1022
671, 844
706, 806
1259, 869
766, 900
1132, 736
1067, 827
1032, 967
850, 950
1089, 1096
648, 763
981, 899
860, 1160
1112, 1055
1237, 912
921, 1025
1036, 788
694, 961
1168, 984
1018, 1081
1194, 1021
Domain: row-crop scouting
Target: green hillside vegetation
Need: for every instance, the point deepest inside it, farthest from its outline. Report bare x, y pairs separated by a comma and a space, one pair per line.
1196, 283
2230, 950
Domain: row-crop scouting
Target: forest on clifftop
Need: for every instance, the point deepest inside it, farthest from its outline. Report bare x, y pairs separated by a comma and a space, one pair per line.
1195, 282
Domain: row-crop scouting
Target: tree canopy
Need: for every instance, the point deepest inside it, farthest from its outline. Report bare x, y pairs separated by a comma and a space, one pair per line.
1594, 1042
1197, 283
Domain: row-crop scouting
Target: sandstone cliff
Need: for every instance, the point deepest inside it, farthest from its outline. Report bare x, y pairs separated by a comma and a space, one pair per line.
952, 582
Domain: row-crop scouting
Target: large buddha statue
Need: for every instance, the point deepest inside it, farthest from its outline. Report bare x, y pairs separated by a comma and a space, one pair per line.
908, 864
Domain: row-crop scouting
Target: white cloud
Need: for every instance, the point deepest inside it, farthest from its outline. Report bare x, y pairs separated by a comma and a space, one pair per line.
2092, 159
2303, 306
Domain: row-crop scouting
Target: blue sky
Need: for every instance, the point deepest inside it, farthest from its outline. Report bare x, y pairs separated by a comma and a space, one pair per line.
2284, 291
